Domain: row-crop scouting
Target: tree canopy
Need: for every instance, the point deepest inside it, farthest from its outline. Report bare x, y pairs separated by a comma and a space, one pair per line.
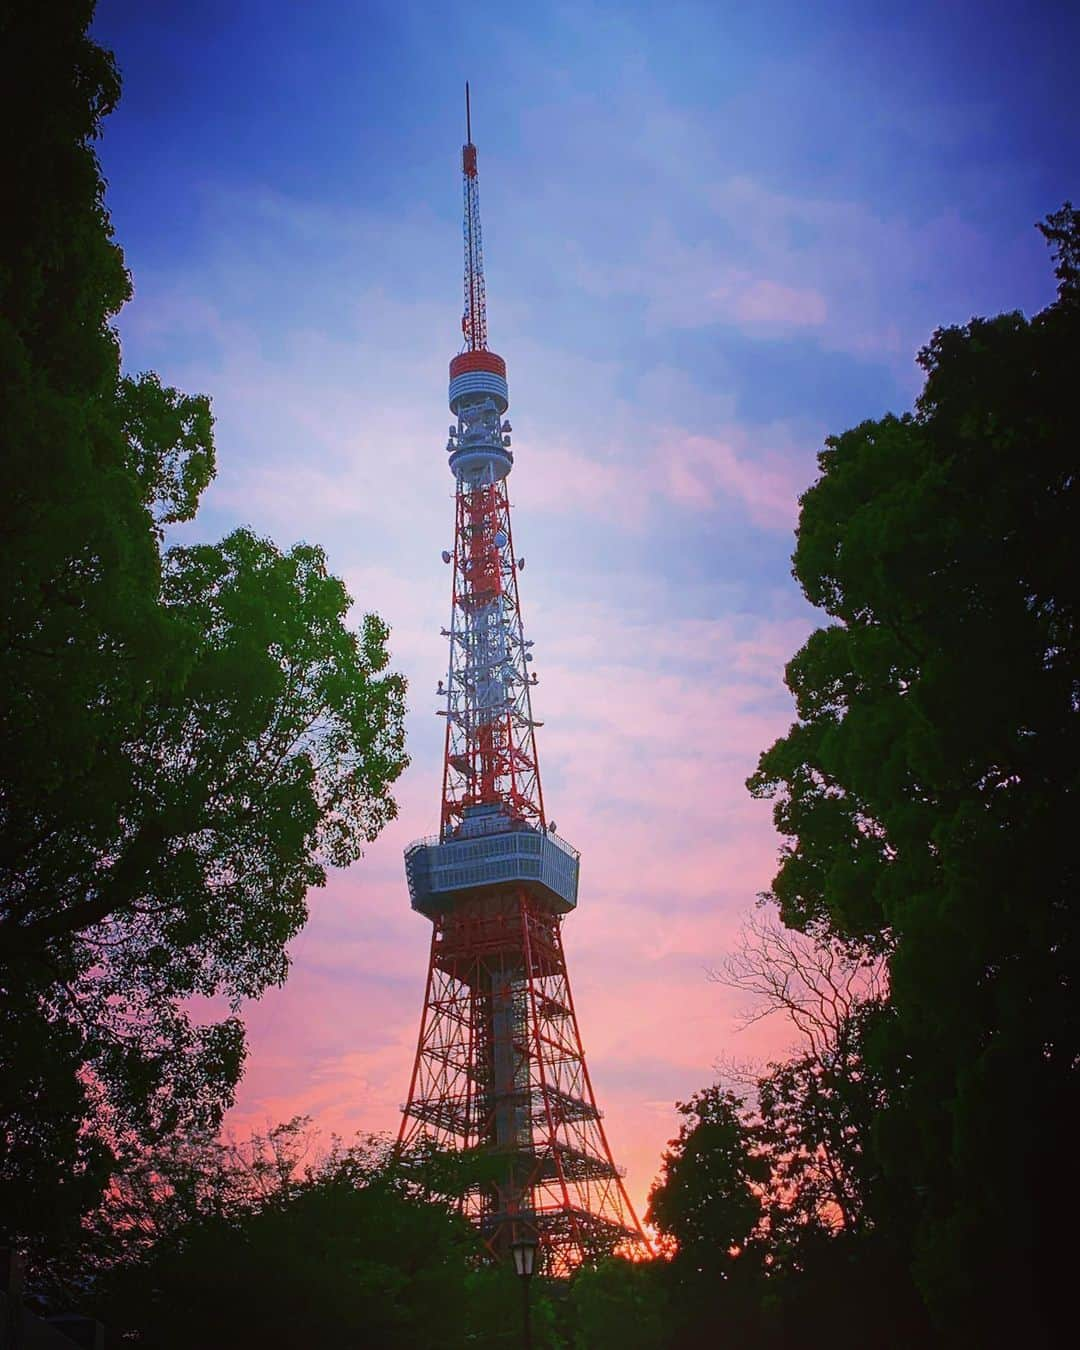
189, 736
929, 788
283, 1239
279, 1241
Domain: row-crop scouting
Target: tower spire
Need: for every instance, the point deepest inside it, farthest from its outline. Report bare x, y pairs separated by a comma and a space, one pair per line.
474, 320
499, 1063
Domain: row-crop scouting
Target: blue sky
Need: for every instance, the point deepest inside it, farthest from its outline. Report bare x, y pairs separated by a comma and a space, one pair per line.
714, 234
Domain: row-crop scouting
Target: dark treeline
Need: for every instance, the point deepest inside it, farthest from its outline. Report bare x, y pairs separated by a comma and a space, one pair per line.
190, 736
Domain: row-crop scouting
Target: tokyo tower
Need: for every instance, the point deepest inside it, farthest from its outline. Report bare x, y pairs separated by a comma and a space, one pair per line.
499, 1064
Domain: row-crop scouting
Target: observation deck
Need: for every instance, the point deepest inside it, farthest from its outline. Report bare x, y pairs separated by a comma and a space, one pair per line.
491, 851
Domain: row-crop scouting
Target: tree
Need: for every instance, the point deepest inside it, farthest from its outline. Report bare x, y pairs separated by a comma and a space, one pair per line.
793, 1160
706, 1206
929, 788
280, 1242
813, 1112
797, 1171
620, 1305
706, 1199
189, 736
282, 1239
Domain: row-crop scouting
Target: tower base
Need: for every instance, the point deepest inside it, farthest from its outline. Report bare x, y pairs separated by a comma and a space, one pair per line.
500, 1069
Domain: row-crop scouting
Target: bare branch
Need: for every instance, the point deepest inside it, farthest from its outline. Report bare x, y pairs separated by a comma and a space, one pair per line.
816, 983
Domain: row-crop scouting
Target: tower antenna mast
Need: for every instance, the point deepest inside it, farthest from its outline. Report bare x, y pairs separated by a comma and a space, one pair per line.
474, 320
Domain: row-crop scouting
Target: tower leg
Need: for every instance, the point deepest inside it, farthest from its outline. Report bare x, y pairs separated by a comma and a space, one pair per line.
500, 1066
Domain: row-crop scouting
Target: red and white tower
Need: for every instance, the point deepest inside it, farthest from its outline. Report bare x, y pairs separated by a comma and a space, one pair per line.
499, 1064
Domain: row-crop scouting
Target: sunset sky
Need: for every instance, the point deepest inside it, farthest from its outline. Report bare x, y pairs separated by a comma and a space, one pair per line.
714, 234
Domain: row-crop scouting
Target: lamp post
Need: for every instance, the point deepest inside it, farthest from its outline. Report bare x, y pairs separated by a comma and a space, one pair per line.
524, 1249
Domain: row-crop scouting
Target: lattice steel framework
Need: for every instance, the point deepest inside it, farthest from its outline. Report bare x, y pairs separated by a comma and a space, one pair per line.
490, 733
499, 1064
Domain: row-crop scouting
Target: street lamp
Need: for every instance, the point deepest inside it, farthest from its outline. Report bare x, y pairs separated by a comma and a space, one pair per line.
524, 1250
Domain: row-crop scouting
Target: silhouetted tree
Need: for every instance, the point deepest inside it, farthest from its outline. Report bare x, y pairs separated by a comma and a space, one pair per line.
928, 794
812, 1114
189, 737
277, 1243
621, 1305
706, 1199
280, 1240
904, 1177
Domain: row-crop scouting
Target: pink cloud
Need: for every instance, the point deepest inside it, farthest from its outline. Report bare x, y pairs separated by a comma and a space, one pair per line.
691, 472
702, 469
695, 285
769, 302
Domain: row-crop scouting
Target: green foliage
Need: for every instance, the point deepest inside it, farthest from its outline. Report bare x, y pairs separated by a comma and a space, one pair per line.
278, 1241
795, 1175
189, 737
929, 790
706, 1199
620, 1305
273, 1243
170, 442
494, 1312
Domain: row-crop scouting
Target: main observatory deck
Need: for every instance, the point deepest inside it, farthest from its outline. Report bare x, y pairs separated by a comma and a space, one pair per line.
505, 855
